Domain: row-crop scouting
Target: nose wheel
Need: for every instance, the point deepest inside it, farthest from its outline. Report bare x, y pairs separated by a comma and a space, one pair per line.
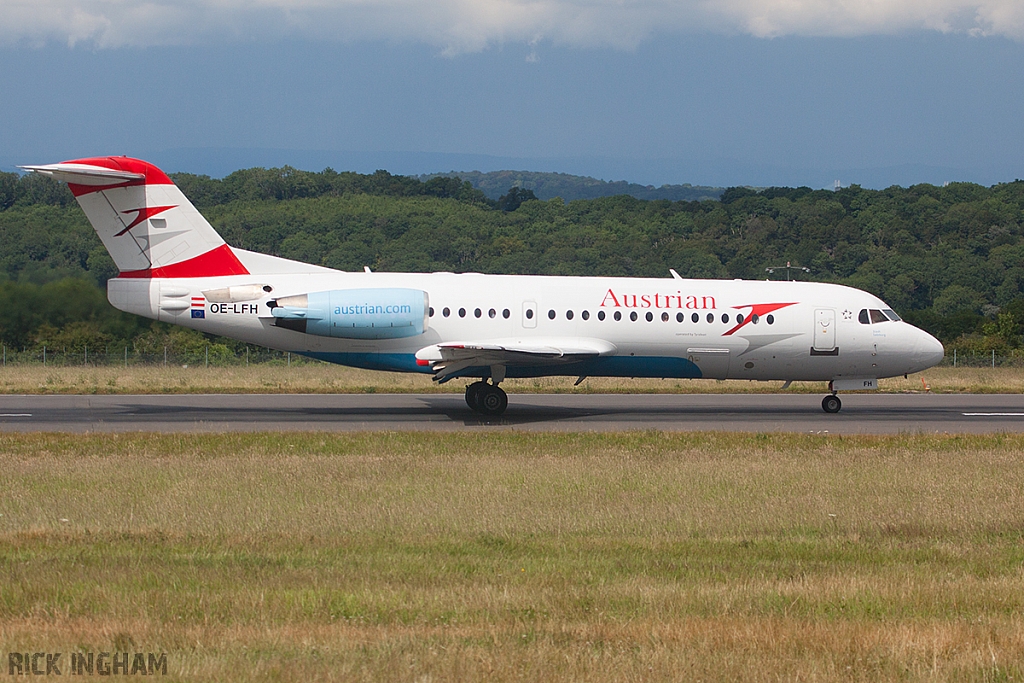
831, 404
486, 399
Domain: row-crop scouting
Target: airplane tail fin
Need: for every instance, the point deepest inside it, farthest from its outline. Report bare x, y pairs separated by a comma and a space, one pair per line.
146, 223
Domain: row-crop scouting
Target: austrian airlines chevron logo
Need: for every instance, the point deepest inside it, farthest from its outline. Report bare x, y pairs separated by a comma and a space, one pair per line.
759, 310
142, 214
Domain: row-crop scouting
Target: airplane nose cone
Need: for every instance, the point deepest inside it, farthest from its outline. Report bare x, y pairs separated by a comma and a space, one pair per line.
928, 351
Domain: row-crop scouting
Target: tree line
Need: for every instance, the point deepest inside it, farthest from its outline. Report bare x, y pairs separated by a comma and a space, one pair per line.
569, 187
950, 259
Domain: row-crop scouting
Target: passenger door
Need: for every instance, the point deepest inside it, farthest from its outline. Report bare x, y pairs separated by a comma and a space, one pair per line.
824, 332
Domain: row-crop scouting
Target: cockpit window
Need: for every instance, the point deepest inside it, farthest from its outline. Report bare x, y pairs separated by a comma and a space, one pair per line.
874, 316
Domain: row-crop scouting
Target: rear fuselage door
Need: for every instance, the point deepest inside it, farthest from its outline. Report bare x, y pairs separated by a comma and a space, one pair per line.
824, 329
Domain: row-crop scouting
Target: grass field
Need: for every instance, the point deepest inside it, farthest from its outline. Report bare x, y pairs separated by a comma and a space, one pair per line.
421, 557
322, 378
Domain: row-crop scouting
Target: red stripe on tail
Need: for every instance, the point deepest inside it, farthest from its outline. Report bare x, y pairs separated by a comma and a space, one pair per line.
219, 261
154, 176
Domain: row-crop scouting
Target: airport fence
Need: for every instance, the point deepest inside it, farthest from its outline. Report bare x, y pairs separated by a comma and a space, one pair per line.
211, 355
217, 355
964, 358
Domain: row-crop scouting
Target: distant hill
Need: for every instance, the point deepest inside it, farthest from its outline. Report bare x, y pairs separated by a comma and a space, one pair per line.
570, 187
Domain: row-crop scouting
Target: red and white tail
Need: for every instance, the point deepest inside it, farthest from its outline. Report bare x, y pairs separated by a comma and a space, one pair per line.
146, 223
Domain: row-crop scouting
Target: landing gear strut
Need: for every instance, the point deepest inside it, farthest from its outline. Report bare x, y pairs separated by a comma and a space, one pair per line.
831, 404
486, 399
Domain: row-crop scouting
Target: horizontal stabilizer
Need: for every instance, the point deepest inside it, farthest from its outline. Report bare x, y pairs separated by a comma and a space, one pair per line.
83, 174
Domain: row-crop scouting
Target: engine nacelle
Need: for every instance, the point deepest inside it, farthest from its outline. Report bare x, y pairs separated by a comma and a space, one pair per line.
390, 313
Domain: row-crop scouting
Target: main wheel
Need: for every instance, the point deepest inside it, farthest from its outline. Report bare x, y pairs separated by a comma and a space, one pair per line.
492, 400
831, 404
473, 395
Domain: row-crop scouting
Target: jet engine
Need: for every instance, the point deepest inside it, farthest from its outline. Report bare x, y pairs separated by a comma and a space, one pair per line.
354, 313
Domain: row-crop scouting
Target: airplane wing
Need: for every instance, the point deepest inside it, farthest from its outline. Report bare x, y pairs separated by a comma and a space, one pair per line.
449, 359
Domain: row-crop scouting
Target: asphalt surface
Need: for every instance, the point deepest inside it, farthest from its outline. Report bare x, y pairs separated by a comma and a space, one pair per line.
861, 413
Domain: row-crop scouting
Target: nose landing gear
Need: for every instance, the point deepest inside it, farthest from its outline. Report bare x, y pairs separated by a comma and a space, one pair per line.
831, 404
486, 399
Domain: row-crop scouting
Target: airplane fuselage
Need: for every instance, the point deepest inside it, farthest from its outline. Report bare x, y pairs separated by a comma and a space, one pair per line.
645, 327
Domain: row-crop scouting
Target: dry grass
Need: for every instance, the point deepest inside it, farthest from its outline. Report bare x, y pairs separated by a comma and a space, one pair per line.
322, 378
639, 556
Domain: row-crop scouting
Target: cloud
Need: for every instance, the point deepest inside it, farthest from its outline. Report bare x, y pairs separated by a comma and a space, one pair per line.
457, 26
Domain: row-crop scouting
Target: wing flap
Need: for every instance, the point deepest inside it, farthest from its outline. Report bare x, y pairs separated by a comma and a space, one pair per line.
449, 359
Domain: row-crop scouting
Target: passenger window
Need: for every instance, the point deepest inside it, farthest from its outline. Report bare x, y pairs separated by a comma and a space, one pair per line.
618, 315
529, 314
586, 315
506, 313
649, 316
877, 316
754, 318
491, 313
568, 315
863, 317
478, 312
446, 312
431, 312
600, 315
695, 317
664, 317
725, 317
679, 317
711, 317
770, 319
551, 314
739, 319
462, 312
632, 316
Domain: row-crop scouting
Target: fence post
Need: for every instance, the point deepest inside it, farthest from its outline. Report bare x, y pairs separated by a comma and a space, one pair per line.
289, 359
246, 355
207, 355
44, 355
165, 356
954, 358
126, 357
993, 358
86, 361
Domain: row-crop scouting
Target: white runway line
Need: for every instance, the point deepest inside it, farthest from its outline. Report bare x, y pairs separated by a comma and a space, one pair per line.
15, 414
993, 414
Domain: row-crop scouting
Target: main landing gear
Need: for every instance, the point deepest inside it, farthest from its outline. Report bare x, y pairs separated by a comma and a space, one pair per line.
831, 404
486, 399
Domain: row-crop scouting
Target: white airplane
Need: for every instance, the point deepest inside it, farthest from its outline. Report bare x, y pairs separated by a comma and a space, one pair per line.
174, 267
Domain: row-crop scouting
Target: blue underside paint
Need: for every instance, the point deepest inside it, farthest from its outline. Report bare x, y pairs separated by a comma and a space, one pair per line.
609, 366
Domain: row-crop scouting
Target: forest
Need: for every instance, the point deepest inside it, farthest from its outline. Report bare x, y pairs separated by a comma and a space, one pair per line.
569, 187
949, 259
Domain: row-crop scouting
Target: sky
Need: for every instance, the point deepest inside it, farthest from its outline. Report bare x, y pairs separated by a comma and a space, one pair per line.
707, 92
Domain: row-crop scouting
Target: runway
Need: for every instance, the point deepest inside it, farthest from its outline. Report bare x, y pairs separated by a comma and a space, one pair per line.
861, 414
